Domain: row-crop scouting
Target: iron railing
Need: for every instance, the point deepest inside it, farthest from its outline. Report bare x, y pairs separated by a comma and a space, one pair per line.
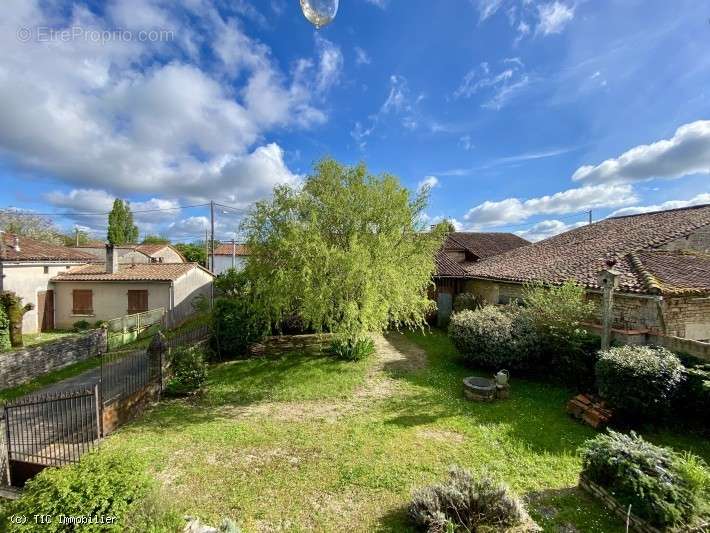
129, 328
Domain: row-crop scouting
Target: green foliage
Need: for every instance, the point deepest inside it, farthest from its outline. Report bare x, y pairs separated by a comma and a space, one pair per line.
4, 330
231, 283
70, 239
194, 253
188, 369
639, 381
352, 350
121, 229
236, 324
564, 345
445, 226
466, 300
493, 337
101, 484
15, 311
693, 399
661, 486
25, 223
344, 253
81, 325
155, 239
466, 504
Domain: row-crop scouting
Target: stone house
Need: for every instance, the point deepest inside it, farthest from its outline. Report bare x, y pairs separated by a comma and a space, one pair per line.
26, 268
228, 256
96, 292
663, 259
460, 250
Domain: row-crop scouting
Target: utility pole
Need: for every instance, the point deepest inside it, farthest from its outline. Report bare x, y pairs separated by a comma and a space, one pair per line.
212, 235
234, 253
590, 217
207, 250
76, 235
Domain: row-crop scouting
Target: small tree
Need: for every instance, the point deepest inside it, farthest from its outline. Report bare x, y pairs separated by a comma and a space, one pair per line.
15, 313
155, 239
25, 223
4, 330
121, 229
194, 253
345, 252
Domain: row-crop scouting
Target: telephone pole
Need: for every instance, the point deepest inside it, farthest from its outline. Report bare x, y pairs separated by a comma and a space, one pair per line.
212, 236
76, 235
590, 217
234, 253
207, 250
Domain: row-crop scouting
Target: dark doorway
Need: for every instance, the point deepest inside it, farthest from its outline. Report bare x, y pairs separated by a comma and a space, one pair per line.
45, 310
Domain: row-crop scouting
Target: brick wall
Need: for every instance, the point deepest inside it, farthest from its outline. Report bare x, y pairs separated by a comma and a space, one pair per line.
21, 366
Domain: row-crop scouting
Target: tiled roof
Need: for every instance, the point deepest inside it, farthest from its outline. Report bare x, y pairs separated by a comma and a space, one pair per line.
33, 250
226, 249
134, 272
674, 272
581, 253
486, 244
478, 244
150, 249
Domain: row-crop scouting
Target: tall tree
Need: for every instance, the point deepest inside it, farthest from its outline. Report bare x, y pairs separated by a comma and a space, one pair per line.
121, 229
346, 253
30, 225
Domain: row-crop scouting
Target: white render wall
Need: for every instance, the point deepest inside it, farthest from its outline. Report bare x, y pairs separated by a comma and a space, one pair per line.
27, 279
224, 262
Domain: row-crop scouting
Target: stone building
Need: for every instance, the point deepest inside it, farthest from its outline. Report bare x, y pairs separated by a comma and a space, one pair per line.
663, 258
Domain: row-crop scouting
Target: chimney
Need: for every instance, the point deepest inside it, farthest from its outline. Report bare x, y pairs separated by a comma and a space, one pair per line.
17, 244
111, 259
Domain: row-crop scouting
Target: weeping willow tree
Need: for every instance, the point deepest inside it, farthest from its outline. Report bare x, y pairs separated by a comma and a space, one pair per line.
345, 252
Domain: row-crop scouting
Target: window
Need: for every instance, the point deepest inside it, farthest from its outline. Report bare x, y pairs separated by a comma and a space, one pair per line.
137, 301
83, 302
46, 270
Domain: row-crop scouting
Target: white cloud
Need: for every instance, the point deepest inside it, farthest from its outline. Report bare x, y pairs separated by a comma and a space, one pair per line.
488, 8
687, 152
547, 228
361, 57
700, 199
513, 210
466, 143
500, 87
382, 4
132, 117
429, 182
554, 16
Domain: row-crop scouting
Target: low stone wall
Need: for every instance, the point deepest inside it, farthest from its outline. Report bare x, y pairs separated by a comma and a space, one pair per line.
121, 411
20, 366
698, 349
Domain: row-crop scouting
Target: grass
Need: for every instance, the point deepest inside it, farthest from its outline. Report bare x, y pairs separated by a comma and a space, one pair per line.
302, 442
34, 339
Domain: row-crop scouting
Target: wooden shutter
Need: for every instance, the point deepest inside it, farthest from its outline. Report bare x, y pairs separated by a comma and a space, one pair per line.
83, 302
137, 301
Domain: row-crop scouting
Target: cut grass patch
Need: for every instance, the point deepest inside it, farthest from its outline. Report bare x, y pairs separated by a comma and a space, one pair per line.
356, 470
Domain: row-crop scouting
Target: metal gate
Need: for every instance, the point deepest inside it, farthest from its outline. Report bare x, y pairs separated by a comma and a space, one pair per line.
49, 431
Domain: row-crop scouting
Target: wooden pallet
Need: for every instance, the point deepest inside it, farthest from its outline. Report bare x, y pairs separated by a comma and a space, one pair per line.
590, 410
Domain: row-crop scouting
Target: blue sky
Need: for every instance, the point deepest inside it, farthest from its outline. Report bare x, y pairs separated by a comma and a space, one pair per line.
520, 114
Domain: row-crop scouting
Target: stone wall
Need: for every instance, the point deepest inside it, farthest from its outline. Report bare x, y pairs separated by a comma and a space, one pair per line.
20, 366
687, 317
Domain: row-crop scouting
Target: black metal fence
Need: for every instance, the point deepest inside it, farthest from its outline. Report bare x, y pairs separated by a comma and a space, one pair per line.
50, 430
124, 374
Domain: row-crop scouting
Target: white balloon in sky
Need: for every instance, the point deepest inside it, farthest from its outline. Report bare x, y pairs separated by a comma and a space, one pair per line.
319, 12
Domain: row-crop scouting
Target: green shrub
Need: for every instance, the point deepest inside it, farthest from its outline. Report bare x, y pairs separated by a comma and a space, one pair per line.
464, 503
493, 337
235, 325
352, 350
693, 399
664, 488
564, 345
639, 381
81, 325
466, 300
4, 330
101, 484
100, 323
188, 369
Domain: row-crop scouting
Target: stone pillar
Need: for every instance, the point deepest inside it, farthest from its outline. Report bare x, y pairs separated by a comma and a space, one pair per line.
608, 280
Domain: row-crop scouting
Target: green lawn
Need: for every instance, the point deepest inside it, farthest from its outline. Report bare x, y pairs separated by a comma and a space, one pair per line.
302, 442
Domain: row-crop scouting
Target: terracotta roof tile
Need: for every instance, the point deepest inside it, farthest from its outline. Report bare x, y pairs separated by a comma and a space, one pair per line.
133, 272
33, 250
226, 249
581, 253
479, 245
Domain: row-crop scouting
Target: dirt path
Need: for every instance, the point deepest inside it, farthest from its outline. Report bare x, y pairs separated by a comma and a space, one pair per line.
394, 354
